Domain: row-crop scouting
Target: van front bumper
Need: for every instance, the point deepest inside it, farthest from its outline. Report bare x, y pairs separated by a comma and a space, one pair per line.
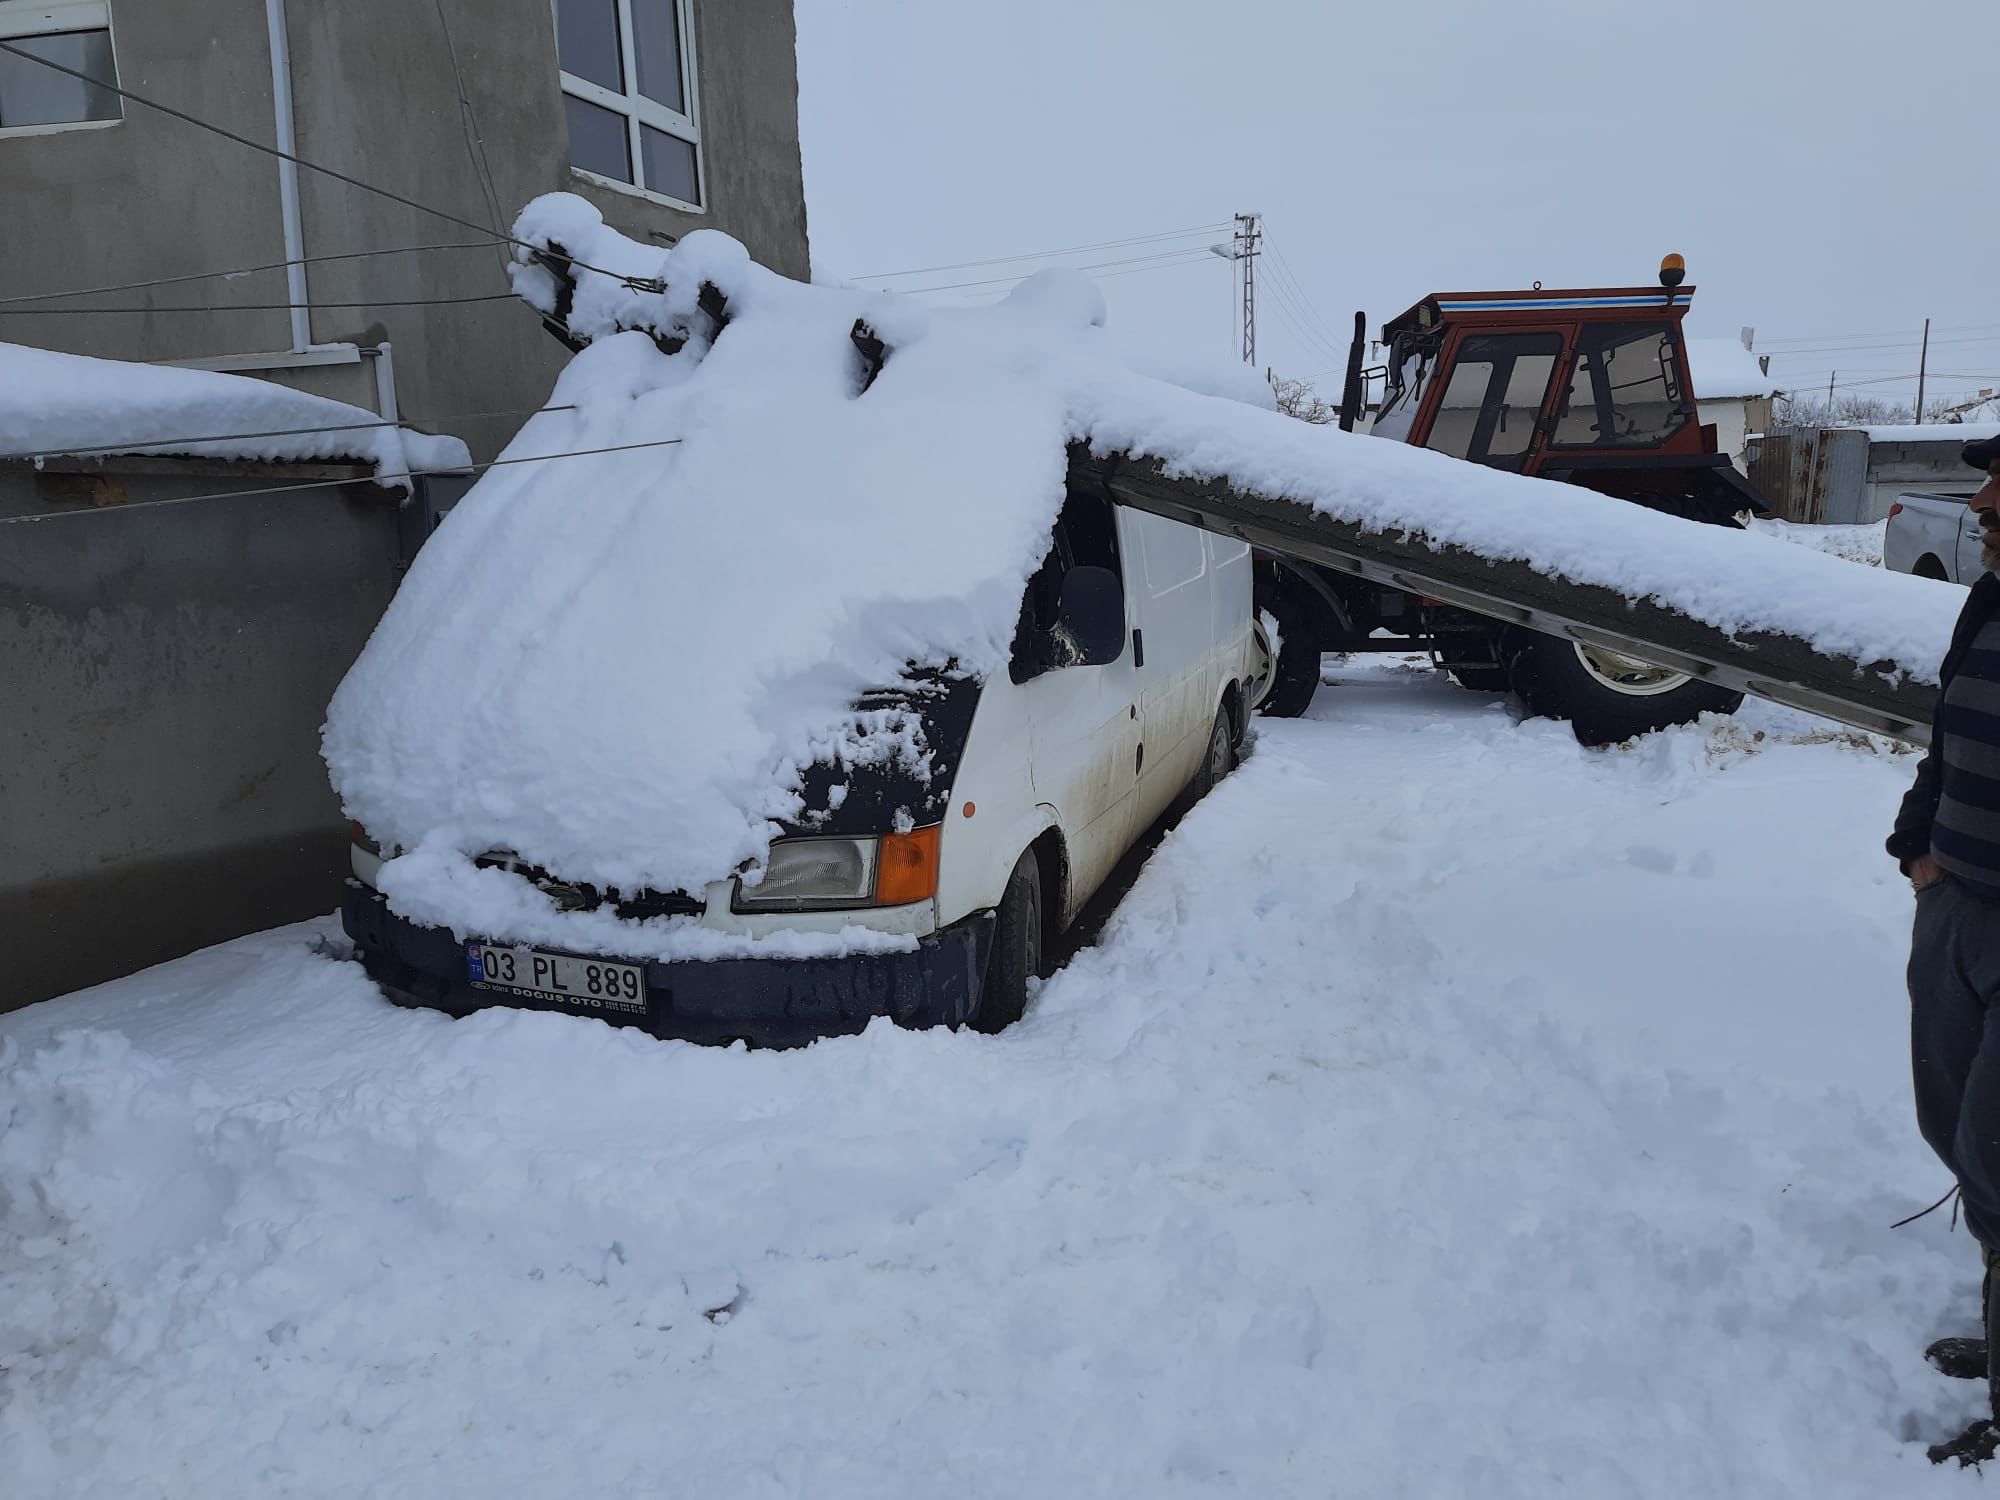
766, 1002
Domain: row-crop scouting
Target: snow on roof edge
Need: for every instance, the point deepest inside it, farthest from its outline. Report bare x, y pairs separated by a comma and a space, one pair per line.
58, 405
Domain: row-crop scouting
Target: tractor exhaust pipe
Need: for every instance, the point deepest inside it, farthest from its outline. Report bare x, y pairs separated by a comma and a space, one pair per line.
1350, 391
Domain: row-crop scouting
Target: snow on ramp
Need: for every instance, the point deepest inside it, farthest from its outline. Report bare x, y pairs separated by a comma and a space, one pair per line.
1377, 1150
618, 664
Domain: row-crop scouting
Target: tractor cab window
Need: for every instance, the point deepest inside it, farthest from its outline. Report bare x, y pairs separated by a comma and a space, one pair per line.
1624, 390
1493, 397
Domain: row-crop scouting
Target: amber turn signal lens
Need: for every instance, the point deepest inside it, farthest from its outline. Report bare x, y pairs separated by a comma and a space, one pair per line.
908, 868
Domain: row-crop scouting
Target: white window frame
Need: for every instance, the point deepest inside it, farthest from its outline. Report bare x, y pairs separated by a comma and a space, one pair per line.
639, 110
19, 18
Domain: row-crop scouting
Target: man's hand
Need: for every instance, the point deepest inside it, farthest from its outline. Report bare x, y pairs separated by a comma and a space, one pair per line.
1924, 872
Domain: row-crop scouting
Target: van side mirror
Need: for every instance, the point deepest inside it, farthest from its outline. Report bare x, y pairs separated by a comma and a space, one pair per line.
1089, 628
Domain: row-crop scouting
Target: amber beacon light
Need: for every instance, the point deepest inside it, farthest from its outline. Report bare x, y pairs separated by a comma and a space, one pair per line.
1673, 271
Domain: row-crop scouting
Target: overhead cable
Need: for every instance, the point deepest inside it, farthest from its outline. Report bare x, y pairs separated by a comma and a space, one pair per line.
154, 445
267, 307
322, 484
1167, 256
638, 283
275, 265
1001, 260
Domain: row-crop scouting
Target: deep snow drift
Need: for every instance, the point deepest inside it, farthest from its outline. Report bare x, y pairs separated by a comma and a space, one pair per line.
1448, 1110
55, 404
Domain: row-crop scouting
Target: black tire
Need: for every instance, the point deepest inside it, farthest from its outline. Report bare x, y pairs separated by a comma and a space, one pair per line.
1217, 762
1481, 679
1550, 675
1297, 676
1017, 949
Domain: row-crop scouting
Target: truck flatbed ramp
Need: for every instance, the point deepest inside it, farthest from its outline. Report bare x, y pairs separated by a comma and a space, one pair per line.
1875, 696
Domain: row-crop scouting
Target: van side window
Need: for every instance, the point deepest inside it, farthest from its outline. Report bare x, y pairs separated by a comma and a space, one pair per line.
1086, 536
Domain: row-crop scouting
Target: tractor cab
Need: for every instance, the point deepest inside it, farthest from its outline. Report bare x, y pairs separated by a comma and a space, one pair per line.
1588, 386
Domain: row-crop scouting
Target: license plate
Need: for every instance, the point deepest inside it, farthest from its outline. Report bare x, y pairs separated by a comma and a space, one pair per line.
560, 978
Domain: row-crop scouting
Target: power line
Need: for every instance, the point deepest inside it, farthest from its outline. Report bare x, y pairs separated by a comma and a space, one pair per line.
275, 265
1165, 256
637, 283
225, 307
475, 143
1313, 317
322, 484
1001, 260
149, 445
1815, 338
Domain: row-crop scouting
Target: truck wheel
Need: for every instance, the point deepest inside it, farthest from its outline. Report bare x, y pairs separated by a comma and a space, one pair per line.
1296, 676
1607, 698
1017, 949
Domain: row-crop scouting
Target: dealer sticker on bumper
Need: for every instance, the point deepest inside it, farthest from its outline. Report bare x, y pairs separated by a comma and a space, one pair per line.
557, 978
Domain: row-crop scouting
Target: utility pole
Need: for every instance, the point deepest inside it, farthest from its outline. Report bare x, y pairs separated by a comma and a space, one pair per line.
1243, 248
1831, 376
1923, 365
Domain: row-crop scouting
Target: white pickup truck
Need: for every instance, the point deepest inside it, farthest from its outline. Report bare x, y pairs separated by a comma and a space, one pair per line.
1932, 536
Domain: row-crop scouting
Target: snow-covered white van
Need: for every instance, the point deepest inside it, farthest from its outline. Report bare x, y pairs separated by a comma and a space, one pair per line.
779, 677
927, 891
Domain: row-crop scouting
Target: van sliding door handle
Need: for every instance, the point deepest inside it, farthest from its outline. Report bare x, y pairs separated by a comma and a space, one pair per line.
1138, 648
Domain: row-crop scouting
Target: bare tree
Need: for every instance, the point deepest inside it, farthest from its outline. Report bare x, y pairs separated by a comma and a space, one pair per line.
1297, 398
1810, 409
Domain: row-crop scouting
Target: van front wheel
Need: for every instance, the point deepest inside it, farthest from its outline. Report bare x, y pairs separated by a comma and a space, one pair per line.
1017, 949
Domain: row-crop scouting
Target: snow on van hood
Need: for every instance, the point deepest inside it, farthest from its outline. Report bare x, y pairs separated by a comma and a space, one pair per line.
617, 661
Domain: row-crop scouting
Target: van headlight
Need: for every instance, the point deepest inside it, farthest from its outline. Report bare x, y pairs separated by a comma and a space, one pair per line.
816, 874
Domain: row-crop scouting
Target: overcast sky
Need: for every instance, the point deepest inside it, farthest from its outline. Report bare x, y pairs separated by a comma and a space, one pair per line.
1831, 170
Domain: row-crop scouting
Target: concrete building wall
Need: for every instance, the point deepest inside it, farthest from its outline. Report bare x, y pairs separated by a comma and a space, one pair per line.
167, 668
374, 96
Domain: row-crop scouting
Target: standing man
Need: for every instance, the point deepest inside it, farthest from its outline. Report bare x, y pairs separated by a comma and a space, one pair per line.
1947, 839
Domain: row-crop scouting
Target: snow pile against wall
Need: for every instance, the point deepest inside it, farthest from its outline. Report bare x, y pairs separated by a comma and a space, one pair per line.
617, 664
55, 405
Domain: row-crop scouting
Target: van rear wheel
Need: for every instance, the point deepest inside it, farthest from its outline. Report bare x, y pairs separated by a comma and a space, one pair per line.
1017, 949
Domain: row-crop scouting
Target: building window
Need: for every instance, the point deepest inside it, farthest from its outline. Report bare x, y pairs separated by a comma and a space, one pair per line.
628, 80
73, 33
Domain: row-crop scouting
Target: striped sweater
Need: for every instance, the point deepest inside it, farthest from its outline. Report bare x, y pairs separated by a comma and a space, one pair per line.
1952, 811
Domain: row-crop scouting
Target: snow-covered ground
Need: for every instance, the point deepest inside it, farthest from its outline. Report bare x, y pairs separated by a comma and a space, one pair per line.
1448, 1110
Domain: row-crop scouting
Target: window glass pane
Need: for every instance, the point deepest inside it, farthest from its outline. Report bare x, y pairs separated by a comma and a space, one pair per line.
1626, 390
670, 165
587, 42
597, 140
656, 44
1495, 395
1527, 385
1458, 416
1576, 418
33, 95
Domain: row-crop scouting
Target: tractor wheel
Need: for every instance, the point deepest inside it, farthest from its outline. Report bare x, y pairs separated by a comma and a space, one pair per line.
1481, 679
1606, 697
